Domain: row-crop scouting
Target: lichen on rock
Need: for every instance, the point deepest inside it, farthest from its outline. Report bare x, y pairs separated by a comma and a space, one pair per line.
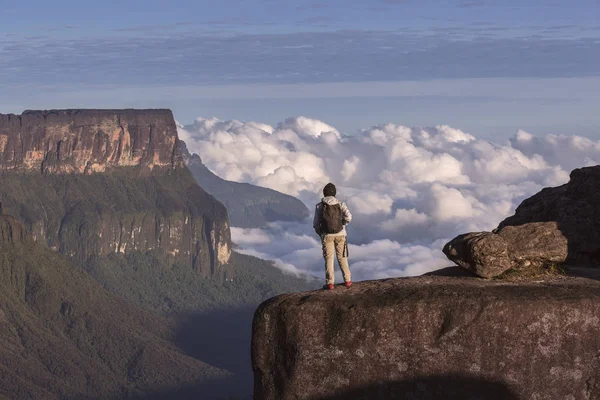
431, 337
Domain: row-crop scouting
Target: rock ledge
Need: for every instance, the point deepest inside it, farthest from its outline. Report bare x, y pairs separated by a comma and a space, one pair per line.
431, 337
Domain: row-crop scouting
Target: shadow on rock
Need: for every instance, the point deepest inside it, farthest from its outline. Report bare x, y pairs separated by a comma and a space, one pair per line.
450, 271
583, 272
434, 388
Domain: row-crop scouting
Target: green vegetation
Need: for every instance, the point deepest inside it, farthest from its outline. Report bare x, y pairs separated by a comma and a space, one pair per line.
65, 337
553, 270
86, 215
33, 197
77, 324
154, 283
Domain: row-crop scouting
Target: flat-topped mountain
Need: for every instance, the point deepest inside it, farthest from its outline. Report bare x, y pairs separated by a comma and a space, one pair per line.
98, 182
113, 262
84, 141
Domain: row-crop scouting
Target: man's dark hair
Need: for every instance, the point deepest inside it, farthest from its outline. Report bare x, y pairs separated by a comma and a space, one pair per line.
329, 190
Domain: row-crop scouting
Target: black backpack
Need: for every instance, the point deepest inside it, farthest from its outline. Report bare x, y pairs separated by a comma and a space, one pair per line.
332, 218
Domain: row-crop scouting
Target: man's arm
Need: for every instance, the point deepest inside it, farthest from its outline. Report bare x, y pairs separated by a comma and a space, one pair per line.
347, 215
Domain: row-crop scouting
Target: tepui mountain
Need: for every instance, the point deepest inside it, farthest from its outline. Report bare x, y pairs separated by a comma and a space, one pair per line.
114, 261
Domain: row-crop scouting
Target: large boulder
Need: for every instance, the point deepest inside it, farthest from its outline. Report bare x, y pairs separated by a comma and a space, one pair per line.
488, 254
557, 225
431, 337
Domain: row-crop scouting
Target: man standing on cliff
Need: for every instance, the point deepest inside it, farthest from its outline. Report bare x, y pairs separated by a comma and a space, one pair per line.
331, 218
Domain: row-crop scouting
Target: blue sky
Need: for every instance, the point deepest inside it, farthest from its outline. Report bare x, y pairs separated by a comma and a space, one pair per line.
340, 61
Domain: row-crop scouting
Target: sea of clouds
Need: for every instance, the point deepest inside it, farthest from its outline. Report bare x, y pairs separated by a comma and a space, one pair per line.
410, 190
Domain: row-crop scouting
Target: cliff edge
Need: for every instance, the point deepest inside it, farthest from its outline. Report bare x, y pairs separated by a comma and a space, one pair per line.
91, 183
85, 141
431, 337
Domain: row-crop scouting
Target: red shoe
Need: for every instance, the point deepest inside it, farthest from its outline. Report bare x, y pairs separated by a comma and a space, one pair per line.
348, 284
328, 286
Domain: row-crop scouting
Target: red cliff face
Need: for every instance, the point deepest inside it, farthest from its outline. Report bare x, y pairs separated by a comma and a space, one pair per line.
85, 141
96, 182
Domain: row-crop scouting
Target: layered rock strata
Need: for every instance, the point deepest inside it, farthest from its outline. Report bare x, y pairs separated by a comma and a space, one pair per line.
85, 141
96, 182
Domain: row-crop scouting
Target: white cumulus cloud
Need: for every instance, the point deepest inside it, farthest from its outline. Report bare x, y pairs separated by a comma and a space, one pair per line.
409, 189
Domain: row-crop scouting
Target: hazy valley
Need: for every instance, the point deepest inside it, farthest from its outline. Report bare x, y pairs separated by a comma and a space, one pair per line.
117, 260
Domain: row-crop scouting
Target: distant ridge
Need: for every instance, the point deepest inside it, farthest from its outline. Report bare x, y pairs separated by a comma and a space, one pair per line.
248, 206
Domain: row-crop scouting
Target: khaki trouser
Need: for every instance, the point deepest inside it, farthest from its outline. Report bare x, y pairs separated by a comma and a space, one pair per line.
332, 246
